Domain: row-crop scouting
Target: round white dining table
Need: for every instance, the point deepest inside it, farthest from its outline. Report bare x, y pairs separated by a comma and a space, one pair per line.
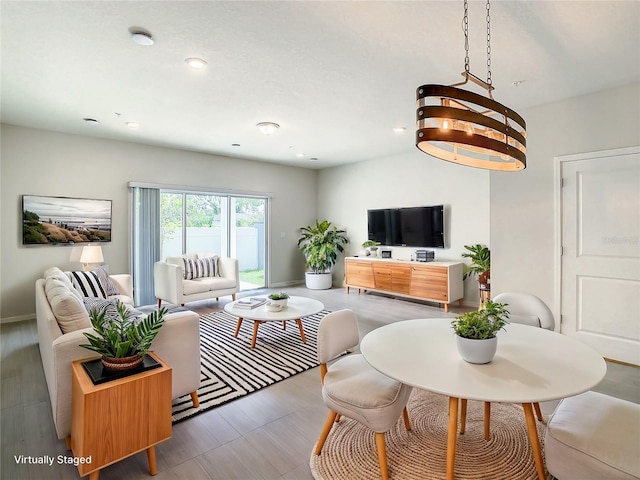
297, 307
531, 365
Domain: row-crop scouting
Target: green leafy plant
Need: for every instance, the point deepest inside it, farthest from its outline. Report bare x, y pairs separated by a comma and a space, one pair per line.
483, 323
123, 337
370, 243
320, 245
480, 260
279, 296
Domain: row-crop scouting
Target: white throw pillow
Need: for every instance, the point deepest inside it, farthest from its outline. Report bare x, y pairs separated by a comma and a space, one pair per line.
64, 277
66, 306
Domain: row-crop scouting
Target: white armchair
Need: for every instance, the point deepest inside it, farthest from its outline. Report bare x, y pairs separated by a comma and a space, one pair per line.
171, 286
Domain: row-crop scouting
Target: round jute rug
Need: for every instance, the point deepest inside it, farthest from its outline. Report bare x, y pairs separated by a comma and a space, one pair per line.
350, 452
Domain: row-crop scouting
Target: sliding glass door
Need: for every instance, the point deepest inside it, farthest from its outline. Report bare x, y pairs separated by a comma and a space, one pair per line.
221, 224
247, 239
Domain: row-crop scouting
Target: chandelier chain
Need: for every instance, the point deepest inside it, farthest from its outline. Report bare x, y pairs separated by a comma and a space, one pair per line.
488, 43
465, 28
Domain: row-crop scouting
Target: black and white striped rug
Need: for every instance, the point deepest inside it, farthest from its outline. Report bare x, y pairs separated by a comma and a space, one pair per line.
231, 369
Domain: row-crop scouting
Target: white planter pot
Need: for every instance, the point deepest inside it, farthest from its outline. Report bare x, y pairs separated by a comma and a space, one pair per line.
277, 305
318, 281
477, 351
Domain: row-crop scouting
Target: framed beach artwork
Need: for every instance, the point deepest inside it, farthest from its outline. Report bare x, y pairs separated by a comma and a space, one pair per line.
65, 220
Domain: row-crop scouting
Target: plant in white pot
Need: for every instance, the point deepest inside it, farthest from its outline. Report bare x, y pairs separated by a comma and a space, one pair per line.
476, 331
277, 301
371, 246
320, 245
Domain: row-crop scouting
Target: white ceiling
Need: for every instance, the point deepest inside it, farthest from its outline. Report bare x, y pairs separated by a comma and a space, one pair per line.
337, 76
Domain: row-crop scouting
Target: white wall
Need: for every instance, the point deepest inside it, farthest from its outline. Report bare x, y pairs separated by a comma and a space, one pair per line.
522, 204
414, 179
47, 163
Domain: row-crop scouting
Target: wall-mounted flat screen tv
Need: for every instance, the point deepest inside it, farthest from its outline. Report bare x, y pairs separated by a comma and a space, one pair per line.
65, 220
407, 227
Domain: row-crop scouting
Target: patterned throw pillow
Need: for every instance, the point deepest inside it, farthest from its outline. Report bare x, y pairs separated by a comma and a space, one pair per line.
110, 309
107, 284
200, 267
88, 284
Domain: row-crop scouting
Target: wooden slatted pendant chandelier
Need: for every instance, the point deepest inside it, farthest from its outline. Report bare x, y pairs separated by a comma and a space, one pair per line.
467, 128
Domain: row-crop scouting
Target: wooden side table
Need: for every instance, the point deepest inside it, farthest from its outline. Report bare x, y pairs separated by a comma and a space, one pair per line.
119, 418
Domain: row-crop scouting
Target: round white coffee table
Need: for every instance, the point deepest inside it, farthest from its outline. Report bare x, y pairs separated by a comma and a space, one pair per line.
296, 308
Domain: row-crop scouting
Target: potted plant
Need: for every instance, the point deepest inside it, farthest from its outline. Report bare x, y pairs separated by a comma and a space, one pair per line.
124, 341
480, 265
280, 298
476, 331
320, 245
372, 246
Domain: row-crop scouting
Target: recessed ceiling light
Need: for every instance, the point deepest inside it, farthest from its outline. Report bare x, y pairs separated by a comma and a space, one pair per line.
268, 128
132, 125
196, 63
517, 83
142, 38
235, 144
399, 129
300, 155
313, 159
91, 121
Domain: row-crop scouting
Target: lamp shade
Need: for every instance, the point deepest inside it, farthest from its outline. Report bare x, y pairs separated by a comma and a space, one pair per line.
91, 254
466, 128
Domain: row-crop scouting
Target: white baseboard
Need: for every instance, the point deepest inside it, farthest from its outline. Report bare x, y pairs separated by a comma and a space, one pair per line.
287, 284
18, 318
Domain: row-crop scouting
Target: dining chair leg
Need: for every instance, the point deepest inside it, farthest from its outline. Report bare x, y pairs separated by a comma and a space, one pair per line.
463, 415
536, 407
487, 420
325, 431
382, 456
405, 415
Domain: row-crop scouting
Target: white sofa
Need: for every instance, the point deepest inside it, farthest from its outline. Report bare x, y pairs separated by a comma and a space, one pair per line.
177, 343
171, 285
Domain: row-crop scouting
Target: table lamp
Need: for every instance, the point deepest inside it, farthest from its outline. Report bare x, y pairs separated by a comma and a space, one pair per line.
90, 254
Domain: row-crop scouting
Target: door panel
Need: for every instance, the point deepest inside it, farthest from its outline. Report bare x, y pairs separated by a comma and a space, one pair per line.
600, 268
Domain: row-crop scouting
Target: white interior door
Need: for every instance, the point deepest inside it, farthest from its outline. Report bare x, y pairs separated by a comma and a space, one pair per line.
600, 268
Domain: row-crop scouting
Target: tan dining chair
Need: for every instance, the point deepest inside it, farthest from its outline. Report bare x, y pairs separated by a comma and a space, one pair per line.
525, 309
354, 389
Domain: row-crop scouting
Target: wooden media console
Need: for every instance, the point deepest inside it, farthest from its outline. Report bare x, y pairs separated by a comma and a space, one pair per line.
439, 282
